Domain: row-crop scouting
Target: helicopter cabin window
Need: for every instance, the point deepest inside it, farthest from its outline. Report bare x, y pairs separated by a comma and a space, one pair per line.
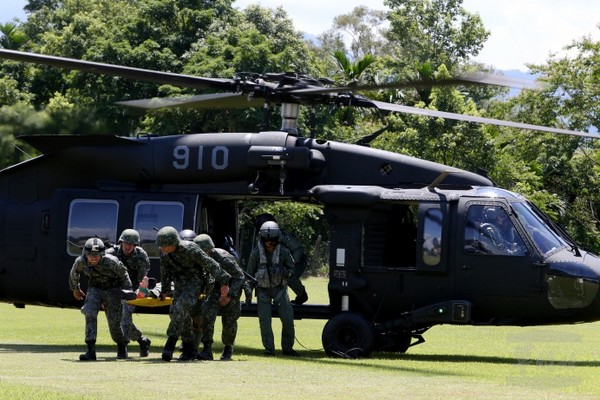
390, 235
91, 218
489, 230
432, 237
153, 215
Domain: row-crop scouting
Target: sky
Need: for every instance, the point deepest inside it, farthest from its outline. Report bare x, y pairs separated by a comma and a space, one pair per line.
522, 31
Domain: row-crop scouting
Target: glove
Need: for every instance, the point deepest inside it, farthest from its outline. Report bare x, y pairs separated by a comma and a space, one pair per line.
224, 299
79, 294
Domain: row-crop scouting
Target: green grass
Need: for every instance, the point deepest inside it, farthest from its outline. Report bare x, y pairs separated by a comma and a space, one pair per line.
39, 350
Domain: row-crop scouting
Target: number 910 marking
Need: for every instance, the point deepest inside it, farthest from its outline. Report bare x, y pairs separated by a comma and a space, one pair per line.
218, 157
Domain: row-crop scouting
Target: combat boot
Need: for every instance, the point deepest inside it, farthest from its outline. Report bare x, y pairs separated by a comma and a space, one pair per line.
167, 354
90, 355
301, 298
206, 353
122, 351
144, 346
188, 352
227, 353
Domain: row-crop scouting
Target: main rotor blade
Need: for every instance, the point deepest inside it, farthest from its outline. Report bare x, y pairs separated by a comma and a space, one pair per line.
201, 101
476, 79
121, 71
470, 118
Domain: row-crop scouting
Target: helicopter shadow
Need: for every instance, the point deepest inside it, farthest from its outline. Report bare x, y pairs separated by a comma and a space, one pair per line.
306, 355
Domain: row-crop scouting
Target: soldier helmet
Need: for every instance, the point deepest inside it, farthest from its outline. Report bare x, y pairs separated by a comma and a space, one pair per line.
269, 230
205, 242
262, 218
187, 234
167, 236
94, 247
130, 236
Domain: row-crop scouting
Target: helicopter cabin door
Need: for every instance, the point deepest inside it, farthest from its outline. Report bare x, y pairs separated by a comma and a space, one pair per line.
492, 258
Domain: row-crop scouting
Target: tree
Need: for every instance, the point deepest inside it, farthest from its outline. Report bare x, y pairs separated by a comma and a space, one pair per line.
560, 174
359, 33
434, 31
13, 38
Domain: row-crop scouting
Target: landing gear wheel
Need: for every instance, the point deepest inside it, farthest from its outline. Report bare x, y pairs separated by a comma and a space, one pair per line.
348, 335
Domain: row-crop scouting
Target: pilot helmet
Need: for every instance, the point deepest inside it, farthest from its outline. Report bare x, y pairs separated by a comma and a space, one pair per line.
167, 236
205, 242
490, 213
187, 234
94, 247
262, 218
269, 231
130, 236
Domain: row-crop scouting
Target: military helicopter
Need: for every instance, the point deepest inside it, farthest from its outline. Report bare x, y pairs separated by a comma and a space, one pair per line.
413, 244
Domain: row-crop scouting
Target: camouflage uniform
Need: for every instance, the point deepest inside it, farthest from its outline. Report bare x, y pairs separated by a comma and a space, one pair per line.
185, 267
271, 270
229, 313
105, 281
138, 265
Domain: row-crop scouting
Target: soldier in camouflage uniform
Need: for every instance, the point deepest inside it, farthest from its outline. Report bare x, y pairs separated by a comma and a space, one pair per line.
183, 263
136, 260
107, 276
298, 254
229, 306
272, 264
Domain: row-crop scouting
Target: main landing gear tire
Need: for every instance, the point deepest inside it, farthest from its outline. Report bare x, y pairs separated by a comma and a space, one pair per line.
348, 335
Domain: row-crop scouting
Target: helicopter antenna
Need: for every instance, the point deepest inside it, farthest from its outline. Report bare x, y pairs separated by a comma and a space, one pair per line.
440, 179
365, 140
21, 150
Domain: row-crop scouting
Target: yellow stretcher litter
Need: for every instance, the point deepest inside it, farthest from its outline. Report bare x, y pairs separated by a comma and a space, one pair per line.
152, 302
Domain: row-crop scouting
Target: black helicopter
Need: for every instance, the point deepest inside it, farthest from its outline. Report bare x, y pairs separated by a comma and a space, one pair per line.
413, 244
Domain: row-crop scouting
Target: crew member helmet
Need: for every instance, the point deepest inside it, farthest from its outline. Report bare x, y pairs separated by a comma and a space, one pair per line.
262, 218
205, 242
94, 247
167, 236
269, 230
187, 234
130, 236
490, 213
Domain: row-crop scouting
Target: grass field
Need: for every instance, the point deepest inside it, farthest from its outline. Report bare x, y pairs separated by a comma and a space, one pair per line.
39, 350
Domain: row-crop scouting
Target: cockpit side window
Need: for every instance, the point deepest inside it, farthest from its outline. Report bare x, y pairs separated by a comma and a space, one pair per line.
489, 230
432, 237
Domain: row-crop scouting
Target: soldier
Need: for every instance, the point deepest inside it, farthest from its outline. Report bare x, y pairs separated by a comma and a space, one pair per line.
183, 263
208, 284
136, 260
298, 254
229, 306
107, 277
272, 264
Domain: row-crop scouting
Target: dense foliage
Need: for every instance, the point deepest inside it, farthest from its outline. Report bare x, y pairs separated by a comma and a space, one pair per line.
421, 40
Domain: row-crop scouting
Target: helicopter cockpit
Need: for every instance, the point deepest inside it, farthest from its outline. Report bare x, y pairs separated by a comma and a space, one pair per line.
571, 274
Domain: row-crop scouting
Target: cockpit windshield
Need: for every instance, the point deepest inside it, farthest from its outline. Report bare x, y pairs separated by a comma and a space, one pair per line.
544, 237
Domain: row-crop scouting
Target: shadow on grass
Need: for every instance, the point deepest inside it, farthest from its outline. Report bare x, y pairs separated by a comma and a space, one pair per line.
306, 355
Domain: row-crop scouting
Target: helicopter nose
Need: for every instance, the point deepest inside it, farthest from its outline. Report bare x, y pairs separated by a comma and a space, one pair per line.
573, 284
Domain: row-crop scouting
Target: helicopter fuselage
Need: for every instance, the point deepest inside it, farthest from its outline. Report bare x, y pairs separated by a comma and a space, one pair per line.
411, 242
